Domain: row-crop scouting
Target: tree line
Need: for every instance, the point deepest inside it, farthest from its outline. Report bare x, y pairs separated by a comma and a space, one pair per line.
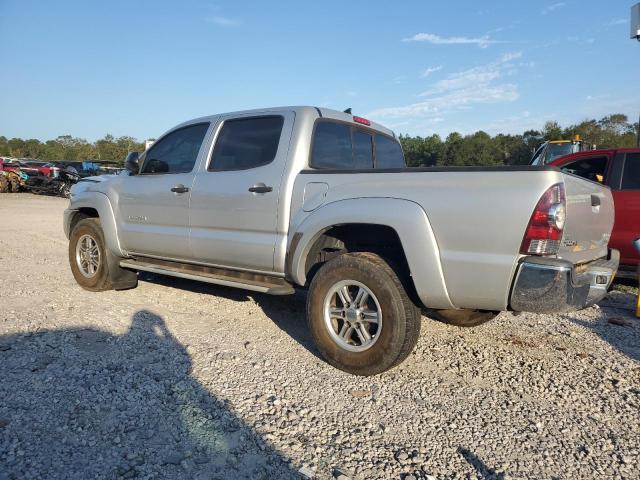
66, 147
478, 148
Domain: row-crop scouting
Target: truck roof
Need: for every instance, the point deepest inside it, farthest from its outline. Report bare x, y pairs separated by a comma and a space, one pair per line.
299, 110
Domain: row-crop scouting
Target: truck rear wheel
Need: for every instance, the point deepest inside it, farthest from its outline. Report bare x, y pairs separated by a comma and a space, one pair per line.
88, 256
360, 315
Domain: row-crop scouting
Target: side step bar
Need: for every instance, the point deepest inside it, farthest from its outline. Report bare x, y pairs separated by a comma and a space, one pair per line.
219, 276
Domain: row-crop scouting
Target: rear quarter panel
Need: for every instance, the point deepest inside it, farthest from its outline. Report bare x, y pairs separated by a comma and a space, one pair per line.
478, 219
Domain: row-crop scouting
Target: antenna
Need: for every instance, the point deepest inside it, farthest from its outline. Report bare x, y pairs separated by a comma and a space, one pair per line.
348, 110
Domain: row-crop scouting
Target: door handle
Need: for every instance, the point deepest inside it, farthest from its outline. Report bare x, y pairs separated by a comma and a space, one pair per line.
180, 189
260, 188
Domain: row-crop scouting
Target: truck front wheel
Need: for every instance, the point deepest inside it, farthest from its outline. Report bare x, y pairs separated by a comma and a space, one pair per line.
88, 256
360, 315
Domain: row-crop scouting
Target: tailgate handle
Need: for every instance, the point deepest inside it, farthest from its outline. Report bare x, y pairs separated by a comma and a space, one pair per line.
595, 200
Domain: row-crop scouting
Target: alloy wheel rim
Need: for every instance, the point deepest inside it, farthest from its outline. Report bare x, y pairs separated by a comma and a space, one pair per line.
87, 256
352, 315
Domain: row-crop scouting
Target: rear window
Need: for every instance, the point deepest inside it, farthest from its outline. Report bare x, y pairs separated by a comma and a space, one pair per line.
332, 146
362, 150
388, 153
631, 172
344, 147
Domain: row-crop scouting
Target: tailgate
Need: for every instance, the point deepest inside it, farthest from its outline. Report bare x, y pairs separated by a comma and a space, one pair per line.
590, 216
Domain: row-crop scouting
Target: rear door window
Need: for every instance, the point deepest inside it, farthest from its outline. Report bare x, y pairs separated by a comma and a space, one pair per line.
245, 143
631, 172
388, 153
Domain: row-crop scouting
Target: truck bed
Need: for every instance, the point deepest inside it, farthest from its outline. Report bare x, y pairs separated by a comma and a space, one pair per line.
478, 216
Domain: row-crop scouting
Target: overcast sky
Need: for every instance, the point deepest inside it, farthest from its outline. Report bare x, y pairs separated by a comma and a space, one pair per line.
137, 68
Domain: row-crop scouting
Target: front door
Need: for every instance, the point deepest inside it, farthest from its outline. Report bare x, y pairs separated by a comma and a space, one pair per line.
154, 205
236, 203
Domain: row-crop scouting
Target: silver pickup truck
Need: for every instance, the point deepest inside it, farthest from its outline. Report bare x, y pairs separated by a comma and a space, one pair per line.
269, 200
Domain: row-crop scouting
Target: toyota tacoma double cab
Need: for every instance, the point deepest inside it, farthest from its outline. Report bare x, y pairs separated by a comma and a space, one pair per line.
301, 197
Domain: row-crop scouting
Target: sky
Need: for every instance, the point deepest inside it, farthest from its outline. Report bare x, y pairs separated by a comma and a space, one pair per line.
88, 68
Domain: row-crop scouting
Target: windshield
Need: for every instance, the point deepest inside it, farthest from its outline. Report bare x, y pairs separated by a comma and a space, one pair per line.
555, 150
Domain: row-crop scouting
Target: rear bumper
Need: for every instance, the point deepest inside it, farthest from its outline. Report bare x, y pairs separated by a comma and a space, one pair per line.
547, 285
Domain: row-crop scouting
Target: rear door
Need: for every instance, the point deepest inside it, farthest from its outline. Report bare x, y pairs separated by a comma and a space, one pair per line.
235, 200
626, 193
153, 206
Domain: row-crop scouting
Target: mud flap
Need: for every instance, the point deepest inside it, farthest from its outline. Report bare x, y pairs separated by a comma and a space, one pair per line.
121, 278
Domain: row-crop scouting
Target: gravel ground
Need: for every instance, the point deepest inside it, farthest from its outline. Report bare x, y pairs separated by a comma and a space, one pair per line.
177, 379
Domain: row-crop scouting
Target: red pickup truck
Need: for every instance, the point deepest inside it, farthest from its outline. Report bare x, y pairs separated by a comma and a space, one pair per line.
620, 170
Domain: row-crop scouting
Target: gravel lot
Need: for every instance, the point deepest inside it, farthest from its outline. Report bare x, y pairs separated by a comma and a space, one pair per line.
177, 379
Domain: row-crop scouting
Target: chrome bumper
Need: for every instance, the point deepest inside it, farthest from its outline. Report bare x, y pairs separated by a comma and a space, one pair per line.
548, 285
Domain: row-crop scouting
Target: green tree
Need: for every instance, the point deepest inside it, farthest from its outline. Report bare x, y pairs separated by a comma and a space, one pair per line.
552, 131
421, 152
452, 152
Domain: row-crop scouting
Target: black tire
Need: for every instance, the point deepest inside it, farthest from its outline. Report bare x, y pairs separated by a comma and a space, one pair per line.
464, 318
99, 281
401, 318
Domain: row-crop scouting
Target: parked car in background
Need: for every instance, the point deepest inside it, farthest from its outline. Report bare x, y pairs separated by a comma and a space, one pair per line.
13, 178
619, 169
273, 199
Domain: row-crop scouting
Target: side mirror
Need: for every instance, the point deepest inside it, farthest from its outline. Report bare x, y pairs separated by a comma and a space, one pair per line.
131, 163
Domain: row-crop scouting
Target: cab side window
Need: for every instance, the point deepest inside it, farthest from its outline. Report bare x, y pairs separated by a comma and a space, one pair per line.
590, 168
631, 172
176, 152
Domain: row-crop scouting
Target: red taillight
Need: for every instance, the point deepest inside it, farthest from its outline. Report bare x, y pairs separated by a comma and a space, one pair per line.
361, 120
544, 231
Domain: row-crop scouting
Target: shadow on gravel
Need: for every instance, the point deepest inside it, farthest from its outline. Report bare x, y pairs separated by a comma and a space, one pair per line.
617, 324
287, 312
77, 404
480, 467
